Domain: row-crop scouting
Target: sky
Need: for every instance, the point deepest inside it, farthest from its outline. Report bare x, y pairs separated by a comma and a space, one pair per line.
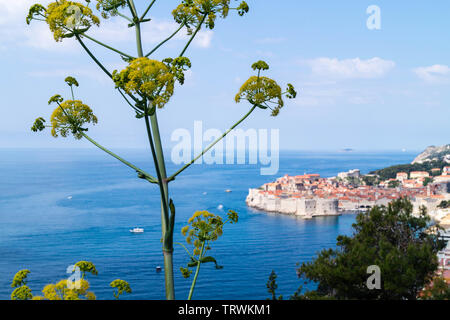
385, 89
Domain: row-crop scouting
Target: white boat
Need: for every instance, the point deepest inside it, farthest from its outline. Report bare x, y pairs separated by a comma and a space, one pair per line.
228, 190
137, 230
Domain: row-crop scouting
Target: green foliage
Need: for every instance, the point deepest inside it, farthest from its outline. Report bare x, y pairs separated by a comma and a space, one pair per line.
427, 181
391, 238
272, 286
393, 184
444, 204
370, 180
391, 172
121, 286
35, 11
38, 125
439, 289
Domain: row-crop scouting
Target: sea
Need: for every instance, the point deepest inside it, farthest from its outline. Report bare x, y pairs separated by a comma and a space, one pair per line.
60, 206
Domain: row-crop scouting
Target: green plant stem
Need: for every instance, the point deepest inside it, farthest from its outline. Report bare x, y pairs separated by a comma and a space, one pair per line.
191, 292
163, 42
138, 39
147, 10
108, 47
148, 177
158, 158
172, 177
167, 226
132, 9
92, 56
125, 17
193, 35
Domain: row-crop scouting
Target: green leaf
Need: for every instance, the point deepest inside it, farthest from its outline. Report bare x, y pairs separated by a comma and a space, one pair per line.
210, 259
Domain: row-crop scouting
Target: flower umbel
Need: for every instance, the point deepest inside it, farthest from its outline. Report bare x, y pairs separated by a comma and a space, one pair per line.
36, 11
192, 12
71, 81
65, 18
110, 8
150, 79
69, 117
122, 287
203, 228
264, 92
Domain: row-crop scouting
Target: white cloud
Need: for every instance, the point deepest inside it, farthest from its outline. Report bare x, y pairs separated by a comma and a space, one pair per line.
350, 68
434, 74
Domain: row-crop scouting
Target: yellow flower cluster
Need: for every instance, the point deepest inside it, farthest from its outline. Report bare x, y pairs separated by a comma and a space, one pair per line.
69, 117
151, 79
66, 17
204, 226
122, 287
260, 90
110, 8
192, 12
60, 291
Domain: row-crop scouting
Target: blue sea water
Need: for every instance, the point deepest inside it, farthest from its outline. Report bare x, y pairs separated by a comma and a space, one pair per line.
44, 230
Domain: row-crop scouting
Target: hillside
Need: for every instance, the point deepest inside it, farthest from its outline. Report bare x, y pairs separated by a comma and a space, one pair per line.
391, 172
433, 153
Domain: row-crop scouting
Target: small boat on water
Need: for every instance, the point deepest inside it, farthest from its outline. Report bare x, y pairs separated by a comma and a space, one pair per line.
137, 230
228, 190
158, 269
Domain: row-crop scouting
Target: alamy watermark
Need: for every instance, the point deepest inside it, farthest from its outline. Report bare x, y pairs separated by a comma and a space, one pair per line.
73, 281
251, 146
374, 20
374, 281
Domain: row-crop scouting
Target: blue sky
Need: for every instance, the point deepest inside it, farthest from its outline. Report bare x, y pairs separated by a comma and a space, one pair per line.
358, 88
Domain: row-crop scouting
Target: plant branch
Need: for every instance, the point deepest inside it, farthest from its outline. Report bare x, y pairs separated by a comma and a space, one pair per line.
163, 42
108, 47
147, 176
179, 243
132, 9
193, 35
147, 10
191, 292
93, 57
125, 17
172, 177
102, 67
